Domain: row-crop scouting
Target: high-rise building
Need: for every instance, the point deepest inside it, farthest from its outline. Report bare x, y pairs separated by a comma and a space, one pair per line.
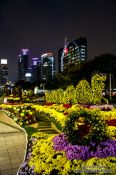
23, 64
47, 66
28, 75
59, 59
3, 71
73, 52
36, 69
82, 48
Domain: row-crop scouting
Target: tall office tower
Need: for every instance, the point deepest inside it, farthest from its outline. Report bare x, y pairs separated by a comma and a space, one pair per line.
82, 48
47, 66
23, 64
28, 75
59, 59
36, 69
74, 52
3, 71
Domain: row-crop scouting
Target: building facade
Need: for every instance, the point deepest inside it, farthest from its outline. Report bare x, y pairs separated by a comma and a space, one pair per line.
47, 66
29, 75
23, 64
3, 71
36, 69
73, 52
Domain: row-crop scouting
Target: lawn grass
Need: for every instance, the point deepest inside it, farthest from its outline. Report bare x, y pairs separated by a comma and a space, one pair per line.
30, 130
40, 126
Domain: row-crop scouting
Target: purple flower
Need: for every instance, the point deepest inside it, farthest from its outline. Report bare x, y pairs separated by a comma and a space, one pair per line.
102, 150
60, 142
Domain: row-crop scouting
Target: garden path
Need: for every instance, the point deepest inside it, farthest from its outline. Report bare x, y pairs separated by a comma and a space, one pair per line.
13, 144
44, 125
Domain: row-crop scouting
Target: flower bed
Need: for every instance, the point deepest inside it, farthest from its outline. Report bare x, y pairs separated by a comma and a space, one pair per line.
13, 100
53, 154
94, 152
57, 117
21, 114
58, 114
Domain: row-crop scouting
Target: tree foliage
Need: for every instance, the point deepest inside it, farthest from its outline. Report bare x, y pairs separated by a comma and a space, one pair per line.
83, 94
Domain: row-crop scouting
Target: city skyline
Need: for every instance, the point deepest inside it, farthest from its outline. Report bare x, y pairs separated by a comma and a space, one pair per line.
41, 26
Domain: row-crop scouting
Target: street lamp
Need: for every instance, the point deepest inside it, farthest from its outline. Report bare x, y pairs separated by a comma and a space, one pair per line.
43, 86
110, 86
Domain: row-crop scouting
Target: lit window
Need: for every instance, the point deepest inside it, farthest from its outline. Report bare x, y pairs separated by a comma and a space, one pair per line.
83, 46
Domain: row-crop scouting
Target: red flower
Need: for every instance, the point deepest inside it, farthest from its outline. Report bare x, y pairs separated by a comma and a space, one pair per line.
111, 122
67, 105
49, 104
83, 130
65, 113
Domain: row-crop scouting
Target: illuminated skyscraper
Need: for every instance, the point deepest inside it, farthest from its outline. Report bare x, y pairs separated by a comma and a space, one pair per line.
23, 64
36, 69
28, 75
59, 59
82, 48
73, 52
3, 71
47, 66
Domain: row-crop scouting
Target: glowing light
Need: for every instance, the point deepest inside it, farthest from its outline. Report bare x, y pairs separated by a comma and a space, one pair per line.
28, 75
65, 50
25, 51
34, 59
47, 55
35, 90
34, 63
3, 61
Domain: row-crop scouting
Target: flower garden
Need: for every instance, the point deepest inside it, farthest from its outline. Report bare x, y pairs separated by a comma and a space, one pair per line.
85, 142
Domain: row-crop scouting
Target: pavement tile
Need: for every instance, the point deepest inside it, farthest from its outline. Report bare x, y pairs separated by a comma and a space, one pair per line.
14, 170
15, 165
6, 172
2, 140
13, 143
5, 162
14, 153
20, 149
2, 158
2, 145
5, 167
5, 151
5, 154
11, 157
15, 160
3, 148
9, 145
12, 150
21, 158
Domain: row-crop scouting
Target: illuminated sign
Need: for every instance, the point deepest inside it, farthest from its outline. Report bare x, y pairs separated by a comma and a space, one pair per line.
28, 75
3, 61
34, 59
25, 51
47, 55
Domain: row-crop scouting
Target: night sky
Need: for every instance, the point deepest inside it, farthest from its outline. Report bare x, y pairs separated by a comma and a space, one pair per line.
41, 26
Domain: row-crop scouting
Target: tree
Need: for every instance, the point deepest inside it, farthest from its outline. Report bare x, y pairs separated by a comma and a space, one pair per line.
83, 92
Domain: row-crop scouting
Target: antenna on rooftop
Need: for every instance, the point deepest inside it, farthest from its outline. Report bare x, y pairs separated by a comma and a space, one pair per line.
62, 62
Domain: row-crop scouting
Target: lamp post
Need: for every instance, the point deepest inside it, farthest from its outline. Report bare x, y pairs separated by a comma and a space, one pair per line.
62, 56
110, 86
43, 86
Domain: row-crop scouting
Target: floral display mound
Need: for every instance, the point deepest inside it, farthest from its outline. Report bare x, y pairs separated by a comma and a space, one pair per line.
60, 154
21, 114
58, 114
13, 100
83, 126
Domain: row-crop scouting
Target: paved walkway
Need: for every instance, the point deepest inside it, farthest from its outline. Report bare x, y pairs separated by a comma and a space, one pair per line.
13, 142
